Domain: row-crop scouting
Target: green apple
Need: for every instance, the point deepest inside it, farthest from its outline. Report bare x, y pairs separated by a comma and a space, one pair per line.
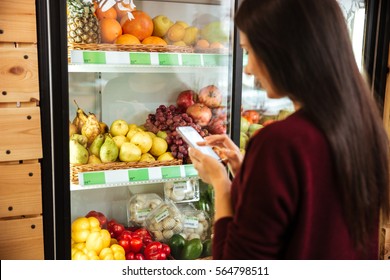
119, 127
161, 25
129, 152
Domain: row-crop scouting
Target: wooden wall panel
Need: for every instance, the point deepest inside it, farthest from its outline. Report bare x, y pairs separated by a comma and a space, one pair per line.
18, 21
21, 239
20, 193
19, 77
22, 139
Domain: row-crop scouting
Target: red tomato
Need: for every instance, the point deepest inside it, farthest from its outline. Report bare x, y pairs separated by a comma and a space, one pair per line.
130, 256
126, 234
142, 232
136, 244
162, 256
166, 249
125, 243
147, 240
115, 228
139, 257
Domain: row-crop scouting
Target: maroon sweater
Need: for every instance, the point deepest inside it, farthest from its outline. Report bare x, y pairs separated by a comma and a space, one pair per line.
285, 200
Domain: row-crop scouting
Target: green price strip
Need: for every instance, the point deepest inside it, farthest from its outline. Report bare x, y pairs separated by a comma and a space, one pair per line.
168, 59
192, 60
190, 171
138, 175
170, 172
94, 178
140, 58
94, 57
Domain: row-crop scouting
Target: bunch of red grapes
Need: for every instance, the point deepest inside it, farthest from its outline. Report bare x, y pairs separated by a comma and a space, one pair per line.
167, 119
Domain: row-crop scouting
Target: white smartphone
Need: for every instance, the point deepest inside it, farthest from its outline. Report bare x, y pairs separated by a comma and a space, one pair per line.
191, 136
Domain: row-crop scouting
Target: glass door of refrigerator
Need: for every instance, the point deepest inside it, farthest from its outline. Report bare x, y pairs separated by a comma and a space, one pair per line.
355, 15
258, 108
135, 82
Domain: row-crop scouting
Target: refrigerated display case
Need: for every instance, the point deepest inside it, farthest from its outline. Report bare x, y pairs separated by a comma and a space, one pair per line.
255, 99
133, 83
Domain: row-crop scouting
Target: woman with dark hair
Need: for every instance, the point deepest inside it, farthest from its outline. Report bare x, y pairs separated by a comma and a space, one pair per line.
314, 185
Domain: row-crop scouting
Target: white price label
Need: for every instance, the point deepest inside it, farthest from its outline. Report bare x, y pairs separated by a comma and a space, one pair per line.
191, 222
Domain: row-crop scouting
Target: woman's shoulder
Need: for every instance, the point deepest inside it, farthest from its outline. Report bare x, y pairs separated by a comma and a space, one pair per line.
295, 128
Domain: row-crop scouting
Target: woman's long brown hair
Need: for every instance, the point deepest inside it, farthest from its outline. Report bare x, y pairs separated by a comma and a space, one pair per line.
306, 48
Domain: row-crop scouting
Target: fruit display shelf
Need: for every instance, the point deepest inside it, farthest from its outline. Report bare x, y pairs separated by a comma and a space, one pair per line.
90, 176
154, 59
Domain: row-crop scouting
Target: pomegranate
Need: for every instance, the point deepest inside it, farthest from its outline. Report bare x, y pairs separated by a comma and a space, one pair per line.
219, 112
211, 96
200, 113
217, 126
186, 98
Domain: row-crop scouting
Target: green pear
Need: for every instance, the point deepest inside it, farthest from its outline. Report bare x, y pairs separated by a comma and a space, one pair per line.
94, 149
244, 125
78, 154
83, 140
109, 150
243, 140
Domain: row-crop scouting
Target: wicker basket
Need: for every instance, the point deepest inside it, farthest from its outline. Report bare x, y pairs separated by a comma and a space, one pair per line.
76, 169
211, 50
131, 48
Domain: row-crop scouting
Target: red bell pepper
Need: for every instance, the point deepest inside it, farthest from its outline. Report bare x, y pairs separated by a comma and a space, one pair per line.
154, 251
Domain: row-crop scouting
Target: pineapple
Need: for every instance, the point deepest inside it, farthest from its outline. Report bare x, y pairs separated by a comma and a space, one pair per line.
83, 26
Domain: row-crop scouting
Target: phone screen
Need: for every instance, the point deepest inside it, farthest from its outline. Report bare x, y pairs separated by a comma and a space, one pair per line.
191, 136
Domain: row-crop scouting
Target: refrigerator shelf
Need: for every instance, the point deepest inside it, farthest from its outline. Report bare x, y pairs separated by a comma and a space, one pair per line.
134, 176
108, 59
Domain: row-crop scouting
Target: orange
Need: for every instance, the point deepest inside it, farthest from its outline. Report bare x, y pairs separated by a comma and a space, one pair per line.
154, 40
127, 39
110, 29
141, 26
121, 13
110, 13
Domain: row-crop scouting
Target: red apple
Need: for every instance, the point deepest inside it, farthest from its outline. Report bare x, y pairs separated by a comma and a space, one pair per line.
211, 96
200, 113
98, 215
186, 98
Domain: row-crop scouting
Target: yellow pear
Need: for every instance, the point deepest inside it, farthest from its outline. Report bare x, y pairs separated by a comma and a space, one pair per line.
165, 157
132, 132
146, 157
151, 134
159, 146
94, 159
120, 139
142, 140
129, 152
